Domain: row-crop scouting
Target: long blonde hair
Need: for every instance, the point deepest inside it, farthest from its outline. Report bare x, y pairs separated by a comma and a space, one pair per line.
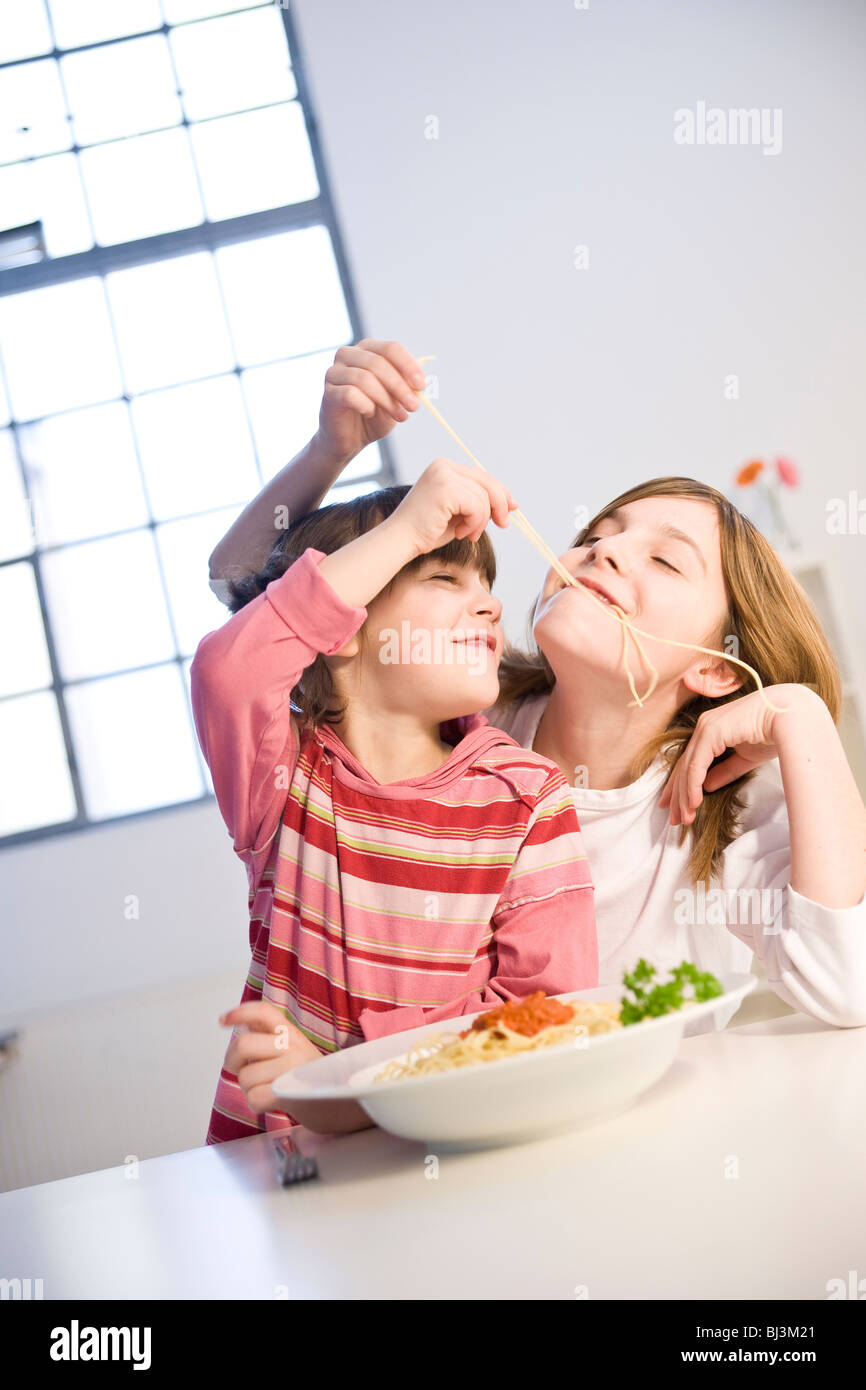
777, 633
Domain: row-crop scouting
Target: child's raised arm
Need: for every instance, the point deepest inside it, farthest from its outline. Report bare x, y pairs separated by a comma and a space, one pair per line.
369, 388
241, 680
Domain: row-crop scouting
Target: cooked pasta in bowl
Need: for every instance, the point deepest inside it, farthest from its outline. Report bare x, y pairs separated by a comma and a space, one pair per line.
529, 1068
512, 1029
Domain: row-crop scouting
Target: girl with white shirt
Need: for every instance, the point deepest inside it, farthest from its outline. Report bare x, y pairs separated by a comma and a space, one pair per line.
760, 852
717, 823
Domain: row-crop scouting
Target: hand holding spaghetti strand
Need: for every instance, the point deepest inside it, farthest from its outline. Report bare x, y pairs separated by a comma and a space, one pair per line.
613, 610
369, 388
450, 501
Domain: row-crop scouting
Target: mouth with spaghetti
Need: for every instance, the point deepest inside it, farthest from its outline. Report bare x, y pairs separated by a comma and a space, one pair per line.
598, 590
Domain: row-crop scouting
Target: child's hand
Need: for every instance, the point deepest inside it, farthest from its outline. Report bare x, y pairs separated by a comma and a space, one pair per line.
451, 501
258, 1057
748, 726
368, 389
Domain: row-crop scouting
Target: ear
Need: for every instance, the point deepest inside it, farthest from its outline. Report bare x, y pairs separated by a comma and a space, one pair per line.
712, 678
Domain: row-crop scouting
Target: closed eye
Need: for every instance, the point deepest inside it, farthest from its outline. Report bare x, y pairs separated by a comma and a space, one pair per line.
658, 558
452, 577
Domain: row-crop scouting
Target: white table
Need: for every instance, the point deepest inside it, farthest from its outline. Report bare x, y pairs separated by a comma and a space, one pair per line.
644, 1205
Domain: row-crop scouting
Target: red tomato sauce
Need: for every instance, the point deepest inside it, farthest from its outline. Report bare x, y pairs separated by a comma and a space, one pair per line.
527, 1016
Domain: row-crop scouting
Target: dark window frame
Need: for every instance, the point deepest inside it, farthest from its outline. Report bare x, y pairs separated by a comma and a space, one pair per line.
99, 260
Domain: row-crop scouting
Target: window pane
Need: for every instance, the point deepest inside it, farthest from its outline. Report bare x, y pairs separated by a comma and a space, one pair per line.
106, 605
176, 11
48, 191
4, 405
35, 788
25, 665
83, 474
205, 770
196, 447
16, 517
170, 323
284, 400
32, 111
185, 547
29, 35
283, 295
141, 187
58, 348
123, 89
259, 160
134, 742
78, 22
368, 461
234, 63
345, 494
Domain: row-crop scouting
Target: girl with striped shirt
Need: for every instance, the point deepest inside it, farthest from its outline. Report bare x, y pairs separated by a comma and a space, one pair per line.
406, 860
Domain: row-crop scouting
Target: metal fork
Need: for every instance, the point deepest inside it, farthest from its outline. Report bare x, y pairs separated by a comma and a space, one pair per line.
293, 1166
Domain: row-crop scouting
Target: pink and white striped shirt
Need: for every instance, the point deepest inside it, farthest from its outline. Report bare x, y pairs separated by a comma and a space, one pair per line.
376, 907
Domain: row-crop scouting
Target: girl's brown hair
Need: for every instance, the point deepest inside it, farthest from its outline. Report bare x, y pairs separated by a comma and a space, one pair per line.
776, 632
329, 529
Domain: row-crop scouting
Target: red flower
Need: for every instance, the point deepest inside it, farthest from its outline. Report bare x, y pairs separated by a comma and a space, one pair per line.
788, 472
749, 472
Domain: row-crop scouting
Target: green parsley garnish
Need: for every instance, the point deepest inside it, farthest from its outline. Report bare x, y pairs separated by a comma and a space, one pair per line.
663, 999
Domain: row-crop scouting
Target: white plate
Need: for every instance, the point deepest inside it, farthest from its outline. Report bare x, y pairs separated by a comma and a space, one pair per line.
538, 1093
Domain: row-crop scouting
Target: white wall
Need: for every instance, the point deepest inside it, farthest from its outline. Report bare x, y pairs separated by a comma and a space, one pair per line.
556, 129
67, 935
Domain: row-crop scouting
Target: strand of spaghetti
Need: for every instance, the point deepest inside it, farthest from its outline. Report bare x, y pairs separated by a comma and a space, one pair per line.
612, 609
628, 631
530, 531
553, 560
653, 673
516, 515
711, 651
627, 667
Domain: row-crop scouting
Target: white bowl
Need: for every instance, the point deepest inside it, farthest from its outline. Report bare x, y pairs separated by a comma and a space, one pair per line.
538, 1093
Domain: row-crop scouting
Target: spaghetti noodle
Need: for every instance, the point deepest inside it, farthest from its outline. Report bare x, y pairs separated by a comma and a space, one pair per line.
507, 1031
628, 628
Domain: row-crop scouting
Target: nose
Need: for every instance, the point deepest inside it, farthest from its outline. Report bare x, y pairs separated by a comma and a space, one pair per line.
486, 605
609, 552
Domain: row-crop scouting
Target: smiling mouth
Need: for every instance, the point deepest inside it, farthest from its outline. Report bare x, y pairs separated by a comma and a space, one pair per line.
599, 592
482, 639
596, 590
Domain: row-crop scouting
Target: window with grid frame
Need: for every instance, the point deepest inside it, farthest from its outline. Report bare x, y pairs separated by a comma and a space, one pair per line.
172, 296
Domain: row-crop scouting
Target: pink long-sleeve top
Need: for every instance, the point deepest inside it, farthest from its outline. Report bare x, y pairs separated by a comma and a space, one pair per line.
376, 907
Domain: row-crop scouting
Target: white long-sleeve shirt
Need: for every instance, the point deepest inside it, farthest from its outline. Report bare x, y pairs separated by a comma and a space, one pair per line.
814, 957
